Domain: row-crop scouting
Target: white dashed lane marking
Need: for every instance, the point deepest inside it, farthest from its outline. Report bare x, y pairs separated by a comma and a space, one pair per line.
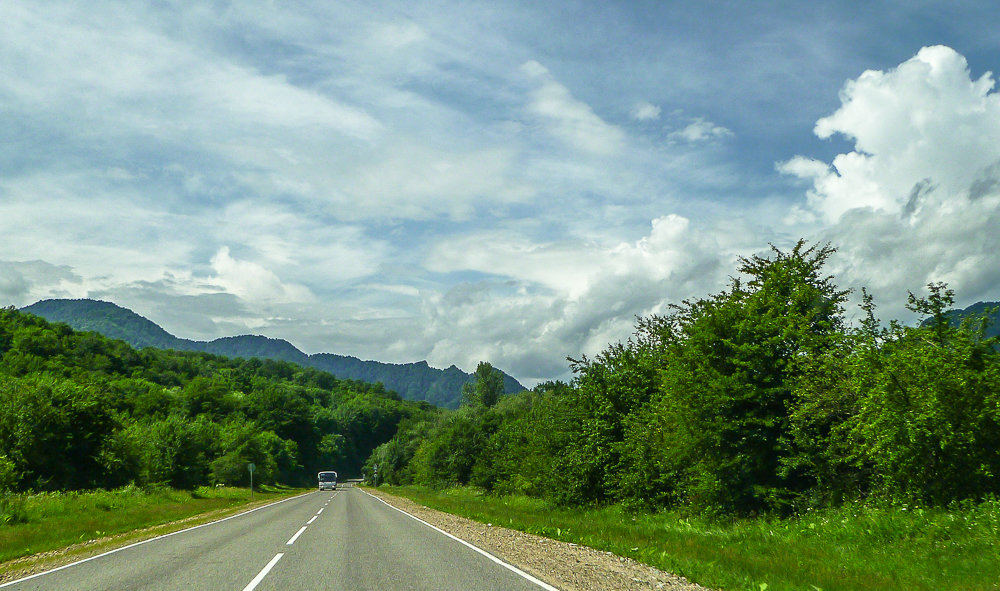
296, 536
263, 573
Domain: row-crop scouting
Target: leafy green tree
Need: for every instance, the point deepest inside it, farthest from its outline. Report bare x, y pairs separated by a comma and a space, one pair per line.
53, 431
181, 450
826, 403
242, 443
905, 413
607, 388
534, 429
722, 417
209, 396
126, 456
391, 459
396, 459
929, 424
331, 449
486, 387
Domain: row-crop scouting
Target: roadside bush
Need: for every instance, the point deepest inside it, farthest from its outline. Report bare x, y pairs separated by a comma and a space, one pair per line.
13, 509
930, 423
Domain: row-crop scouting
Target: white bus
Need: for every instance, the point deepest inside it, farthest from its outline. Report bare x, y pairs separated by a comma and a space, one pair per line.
327, 480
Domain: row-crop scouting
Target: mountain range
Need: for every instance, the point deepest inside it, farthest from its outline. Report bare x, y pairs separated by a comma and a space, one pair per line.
990, 309
412, 381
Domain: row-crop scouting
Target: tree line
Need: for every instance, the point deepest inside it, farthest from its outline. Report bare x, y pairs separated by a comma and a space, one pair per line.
762, 398
78, 410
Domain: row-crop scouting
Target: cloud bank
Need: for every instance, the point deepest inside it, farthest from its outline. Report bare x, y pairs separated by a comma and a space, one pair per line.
917, 199
455, 184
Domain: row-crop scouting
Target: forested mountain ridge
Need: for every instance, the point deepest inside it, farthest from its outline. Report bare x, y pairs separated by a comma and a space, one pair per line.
991, 310
108, 319
413, 381
80, 410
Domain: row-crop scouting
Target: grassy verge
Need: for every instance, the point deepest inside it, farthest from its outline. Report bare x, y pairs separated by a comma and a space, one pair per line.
856, 547
97, 520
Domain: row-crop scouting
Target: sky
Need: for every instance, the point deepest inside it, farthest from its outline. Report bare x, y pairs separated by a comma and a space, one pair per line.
505, 181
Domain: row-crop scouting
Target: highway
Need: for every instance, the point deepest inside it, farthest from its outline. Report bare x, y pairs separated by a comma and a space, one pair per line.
341, 540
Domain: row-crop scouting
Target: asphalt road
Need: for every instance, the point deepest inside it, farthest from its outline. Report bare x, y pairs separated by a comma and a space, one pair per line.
341, 540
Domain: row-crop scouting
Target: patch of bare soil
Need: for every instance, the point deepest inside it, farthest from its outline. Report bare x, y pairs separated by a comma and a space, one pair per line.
569, 567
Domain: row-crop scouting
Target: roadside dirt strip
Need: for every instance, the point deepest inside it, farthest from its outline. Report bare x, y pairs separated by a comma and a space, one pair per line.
569, 567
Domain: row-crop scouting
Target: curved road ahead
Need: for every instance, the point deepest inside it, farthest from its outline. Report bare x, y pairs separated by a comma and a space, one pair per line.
341, 540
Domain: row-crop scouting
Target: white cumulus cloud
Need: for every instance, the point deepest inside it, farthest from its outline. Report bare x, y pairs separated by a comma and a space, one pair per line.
253, 282
926, 120
541, 301
917, 199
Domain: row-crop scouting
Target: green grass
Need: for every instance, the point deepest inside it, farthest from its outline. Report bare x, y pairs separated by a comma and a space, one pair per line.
30, 524
856, 547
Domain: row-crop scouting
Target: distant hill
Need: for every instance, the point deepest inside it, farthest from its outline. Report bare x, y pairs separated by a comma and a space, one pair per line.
108, 319
978, 309
412, 381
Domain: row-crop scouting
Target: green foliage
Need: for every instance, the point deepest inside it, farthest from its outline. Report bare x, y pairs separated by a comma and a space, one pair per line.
716, 433
620, 381
79, 411
485, 388
450, 457
855, 547
53, 429
758, 400
511, 445
8, 474
413, 381
241, 444
906, 413
535, 428
930, 422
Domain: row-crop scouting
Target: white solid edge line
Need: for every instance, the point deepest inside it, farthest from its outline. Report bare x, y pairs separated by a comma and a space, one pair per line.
141, 542
263, 573
499, 561
296, 536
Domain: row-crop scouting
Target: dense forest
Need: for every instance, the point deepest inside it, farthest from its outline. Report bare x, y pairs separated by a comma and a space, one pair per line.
412, 381
761, 399
79, 410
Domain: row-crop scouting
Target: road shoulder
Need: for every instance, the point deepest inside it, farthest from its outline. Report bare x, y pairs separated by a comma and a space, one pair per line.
570, 567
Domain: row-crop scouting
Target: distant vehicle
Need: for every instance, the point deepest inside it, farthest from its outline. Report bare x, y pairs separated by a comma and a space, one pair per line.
328, 480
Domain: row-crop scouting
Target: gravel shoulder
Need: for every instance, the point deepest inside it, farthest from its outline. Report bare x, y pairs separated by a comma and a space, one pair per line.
569, 567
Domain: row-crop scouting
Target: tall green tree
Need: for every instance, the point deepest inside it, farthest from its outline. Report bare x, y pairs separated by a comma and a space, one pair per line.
727, 381
485, 388
760, 398
929, 424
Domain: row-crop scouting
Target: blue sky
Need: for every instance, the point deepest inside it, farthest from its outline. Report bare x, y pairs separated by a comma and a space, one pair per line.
502, 181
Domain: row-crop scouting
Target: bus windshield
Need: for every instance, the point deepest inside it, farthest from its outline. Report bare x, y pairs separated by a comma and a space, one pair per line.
327, 476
